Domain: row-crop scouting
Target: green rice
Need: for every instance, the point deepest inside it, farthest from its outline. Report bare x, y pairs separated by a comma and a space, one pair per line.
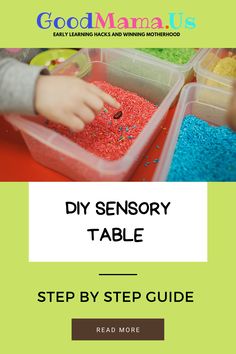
173, 55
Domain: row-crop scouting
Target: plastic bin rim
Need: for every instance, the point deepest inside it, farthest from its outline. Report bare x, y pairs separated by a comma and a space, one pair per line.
124, 51
187, 66
181, 105
209, 74
161, 174
197, 84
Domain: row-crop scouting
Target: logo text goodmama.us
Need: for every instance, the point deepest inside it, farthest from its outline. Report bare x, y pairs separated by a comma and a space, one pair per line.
95, 20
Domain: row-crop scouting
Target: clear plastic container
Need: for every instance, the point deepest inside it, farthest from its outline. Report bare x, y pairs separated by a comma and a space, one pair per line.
186, 69
207, 103
205, 66
155, 81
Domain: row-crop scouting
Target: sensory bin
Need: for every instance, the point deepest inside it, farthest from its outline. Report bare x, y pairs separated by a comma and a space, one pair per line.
217, 68
203, 152
113, 131
151, 85
172, 55
181, 59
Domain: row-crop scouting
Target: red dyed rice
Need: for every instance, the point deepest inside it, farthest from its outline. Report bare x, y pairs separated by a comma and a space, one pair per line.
107, 137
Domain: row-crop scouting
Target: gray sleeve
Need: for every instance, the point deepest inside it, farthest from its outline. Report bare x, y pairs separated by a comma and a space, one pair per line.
17, 86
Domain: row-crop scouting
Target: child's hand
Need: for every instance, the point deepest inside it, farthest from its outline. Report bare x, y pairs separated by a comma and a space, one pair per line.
70, 101
231, 116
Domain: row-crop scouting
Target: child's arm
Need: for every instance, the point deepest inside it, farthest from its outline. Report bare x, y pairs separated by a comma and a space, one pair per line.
17, 86
66, 100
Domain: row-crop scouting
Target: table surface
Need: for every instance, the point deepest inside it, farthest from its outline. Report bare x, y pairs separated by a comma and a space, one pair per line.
18, 165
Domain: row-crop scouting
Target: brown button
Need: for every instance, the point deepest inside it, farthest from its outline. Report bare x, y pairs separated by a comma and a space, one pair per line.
118, 329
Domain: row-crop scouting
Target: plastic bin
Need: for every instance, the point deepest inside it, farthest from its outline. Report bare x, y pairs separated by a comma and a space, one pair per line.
185, 69
207, 103
204, 68
155, 81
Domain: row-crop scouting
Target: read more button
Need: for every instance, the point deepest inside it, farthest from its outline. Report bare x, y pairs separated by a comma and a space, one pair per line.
118, 329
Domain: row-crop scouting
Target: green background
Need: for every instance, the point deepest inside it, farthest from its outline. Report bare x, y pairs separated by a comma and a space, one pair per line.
215, 23
207, 325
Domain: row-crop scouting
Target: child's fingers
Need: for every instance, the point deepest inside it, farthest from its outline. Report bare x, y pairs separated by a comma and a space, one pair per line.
104, 96
93, 101
73, 122
85, 113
